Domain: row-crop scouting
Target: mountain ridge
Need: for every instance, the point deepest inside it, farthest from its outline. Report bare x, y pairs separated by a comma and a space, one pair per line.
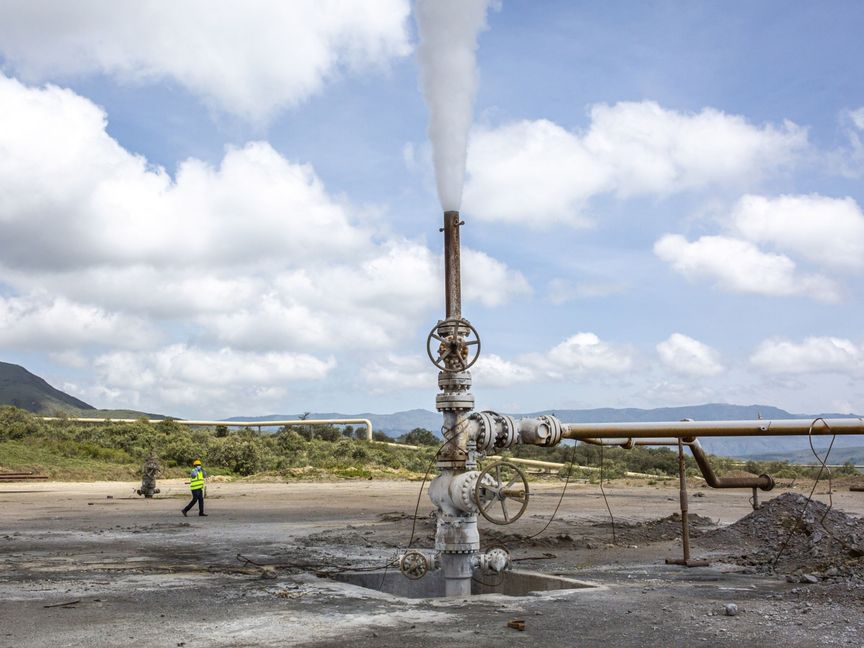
25, 390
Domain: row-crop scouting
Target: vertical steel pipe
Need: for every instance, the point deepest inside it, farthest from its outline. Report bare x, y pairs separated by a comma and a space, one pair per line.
452, 270
685, 527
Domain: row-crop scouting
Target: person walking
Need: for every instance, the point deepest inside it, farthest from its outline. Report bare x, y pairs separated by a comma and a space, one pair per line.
196, 485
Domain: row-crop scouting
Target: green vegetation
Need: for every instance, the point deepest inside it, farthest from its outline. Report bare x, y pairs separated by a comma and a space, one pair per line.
663, 462
64, 449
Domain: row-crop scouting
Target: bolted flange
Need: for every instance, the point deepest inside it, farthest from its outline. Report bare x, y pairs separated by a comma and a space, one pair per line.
454, 401
454, 380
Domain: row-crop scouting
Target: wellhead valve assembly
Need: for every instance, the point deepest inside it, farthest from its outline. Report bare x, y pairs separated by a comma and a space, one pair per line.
461, 492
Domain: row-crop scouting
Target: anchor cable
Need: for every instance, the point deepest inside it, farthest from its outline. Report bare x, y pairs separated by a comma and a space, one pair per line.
563, 491
605, 499
823, 468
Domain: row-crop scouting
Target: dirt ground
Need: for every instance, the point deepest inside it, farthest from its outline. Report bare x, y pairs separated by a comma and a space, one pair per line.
95, 565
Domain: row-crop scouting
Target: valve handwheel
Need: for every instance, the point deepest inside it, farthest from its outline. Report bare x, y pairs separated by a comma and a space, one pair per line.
510, 486
454, 352
414, 565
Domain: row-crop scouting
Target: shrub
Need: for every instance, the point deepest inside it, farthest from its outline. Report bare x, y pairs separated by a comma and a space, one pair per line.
420, 436
243, 456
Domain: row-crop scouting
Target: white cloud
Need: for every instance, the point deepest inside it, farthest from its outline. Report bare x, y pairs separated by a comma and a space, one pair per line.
249, 58
685, 355
580, 354
254, 251
494, 371
826, 231
60, 172
812, 355
489, 281
396, 372
41, 322
537, 172
100, 249
739, 266
222, 379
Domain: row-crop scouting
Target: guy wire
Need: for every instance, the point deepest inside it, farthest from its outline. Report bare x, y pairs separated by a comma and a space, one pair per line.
824, 467
605, 499
563, 491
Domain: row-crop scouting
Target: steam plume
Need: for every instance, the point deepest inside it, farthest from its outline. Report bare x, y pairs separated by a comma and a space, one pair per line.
448, 42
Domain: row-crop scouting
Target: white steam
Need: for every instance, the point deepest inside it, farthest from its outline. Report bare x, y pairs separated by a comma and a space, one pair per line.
448, 42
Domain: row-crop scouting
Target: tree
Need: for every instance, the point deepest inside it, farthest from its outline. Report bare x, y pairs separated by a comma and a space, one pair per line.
420, 436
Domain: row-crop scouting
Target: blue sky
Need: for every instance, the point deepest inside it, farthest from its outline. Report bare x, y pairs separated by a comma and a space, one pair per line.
232, 210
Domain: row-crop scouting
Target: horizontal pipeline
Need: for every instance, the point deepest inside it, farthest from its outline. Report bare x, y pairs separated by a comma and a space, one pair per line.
686, 429
249, 424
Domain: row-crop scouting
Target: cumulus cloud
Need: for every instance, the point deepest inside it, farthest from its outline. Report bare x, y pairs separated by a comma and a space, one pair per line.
812, 355
490, 281
56, 323
60, 172
579, 355
248, 59
394, 372
181, 375
256, 248
98, 247
539, 172
685, 355
494, 371
826, 231
583, 353
739, 266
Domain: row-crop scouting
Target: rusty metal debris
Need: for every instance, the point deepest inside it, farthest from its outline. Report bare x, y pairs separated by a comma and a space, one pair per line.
148, 477
66, 604
20, 476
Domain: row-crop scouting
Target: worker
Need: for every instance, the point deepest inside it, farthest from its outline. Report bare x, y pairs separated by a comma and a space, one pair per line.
196, 484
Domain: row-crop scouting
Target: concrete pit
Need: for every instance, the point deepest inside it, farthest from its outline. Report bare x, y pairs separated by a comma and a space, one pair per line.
511, 583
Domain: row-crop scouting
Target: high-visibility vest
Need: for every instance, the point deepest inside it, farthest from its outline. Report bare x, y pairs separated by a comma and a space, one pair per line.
197, 479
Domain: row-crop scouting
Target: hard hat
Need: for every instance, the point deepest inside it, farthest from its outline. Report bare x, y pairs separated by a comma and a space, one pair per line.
197, 462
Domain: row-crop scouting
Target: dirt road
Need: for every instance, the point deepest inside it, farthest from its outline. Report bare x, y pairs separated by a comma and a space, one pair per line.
95, 565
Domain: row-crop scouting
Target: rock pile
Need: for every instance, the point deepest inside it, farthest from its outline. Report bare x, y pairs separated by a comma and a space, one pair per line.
809, 537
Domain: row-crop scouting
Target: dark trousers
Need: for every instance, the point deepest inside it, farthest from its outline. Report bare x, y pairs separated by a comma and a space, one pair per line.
197, 496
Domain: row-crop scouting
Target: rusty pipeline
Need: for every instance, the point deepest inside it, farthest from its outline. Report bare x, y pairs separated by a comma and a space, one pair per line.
452, 265
683, 429
763, 482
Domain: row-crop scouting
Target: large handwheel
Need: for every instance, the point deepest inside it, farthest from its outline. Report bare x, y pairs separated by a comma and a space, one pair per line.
510, 486
454, 352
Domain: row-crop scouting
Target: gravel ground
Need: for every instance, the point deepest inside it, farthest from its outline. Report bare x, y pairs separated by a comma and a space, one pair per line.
91, 565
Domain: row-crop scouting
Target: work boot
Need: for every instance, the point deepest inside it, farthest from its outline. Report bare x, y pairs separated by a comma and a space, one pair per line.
183, 511
202, 515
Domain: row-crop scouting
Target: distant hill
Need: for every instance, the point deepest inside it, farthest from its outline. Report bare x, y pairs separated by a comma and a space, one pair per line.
744, 447
28, 391
853, 454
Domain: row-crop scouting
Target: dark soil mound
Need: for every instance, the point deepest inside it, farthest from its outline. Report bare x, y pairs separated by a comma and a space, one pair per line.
806, 536
667, 528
